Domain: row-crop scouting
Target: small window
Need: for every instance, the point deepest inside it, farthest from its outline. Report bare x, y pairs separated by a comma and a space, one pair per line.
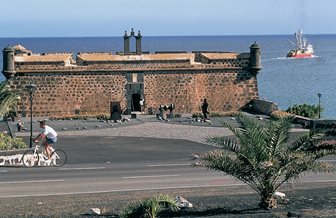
134, 77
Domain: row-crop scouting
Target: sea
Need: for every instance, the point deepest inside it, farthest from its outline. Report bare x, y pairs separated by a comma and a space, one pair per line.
285, 81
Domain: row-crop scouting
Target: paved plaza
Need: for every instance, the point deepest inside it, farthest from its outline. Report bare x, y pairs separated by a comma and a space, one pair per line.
143, 126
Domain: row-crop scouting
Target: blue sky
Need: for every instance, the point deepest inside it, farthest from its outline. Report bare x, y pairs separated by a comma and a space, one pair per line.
48, 18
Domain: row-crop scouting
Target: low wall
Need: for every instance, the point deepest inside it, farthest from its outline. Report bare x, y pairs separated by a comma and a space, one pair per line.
263, 106
12, 157
326, 126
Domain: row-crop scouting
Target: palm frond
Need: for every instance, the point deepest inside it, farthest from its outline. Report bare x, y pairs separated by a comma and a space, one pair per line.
167, 201
8, 98
149, 208
219, 160
224, 143
247, 122
300, 142
277, 134
235, 131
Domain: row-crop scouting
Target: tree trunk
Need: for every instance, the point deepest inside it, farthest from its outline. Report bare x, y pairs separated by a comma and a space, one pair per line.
268, 202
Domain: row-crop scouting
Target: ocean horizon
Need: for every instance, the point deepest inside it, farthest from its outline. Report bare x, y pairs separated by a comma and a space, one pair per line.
282, 80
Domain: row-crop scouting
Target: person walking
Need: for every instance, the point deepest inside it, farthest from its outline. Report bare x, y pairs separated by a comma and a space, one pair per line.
205, 106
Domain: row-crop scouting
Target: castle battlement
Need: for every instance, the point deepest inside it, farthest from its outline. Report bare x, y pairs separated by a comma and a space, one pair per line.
107, 60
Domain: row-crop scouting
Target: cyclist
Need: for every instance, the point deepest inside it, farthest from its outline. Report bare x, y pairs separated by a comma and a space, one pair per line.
50, 136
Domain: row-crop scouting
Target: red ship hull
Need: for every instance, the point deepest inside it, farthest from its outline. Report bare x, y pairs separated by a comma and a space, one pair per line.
299, 54
302, 56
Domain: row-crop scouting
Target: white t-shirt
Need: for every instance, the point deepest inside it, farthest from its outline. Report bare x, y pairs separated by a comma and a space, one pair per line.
49, 132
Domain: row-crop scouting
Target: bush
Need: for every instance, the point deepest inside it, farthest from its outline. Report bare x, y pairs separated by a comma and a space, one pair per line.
103, 116
150, 208
215, 114
305, 110
275, 115
7, 143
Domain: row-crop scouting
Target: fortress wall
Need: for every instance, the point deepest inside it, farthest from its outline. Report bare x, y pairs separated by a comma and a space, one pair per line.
228, 63
91, 92
102, 66
63, 93
38, 65
226, 90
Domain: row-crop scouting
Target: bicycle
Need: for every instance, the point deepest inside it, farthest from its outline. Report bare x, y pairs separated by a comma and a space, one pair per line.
31, 158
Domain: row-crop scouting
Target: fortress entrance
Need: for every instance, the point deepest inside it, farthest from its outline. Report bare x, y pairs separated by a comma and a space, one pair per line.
136, 102
135, 92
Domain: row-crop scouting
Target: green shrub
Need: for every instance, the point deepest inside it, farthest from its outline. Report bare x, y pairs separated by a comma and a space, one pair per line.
305, 110
7, 143
215, 114
103, 116
149, 208
196, 115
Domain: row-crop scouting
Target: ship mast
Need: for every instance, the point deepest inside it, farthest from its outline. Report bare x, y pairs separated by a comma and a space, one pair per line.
299, 39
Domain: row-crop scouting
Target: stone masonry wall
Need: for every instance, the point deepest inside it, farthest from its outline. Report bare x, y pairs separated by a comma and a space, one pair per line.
63, 93
92, 92
226, 90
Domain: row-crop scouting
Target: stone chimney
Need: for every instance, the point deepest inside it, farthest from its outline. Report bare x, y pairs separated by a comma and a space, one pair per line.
126, 44
138, 43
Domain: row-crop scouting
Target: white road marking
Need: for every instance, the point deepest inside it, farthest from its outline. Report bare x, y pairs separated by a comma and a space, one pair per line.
156, 176
321, 181
168, 165
3, 171
83, 168
32, 181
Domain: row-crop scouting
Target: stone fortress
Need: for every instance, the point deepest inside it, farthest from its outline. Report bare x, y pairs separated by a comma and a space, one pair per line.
92, 81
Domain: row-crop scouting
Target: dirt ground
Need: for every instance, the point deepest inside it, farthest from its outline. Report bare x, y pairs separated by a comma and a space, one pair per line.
305, 200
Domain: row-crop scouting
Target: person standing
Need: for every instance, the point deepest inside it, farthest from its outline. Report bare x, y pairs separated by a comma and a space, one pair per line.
141, 103
205, 106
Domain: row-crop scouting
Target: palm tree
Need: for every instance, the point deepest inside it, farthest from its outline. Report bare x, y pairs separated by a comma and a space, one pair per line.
8, 98
149, 208
264, 158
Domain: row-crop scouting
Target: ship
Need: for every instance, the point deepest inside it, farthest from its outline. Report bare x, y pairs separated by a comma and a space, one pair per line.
302, 48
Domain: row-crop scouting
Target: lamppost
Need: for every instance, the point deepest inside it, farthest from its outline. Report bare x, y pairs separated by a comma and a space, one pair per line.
31, 88
319, 96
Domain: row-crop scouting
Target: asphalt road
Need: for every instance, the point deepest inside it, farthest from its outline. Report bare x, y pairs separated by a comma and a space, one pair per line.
115, 164
105, 164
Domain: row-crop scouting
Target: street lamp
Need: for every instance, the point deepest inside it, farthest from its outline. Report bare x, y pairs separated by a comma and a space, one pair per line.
319, 96
31, 88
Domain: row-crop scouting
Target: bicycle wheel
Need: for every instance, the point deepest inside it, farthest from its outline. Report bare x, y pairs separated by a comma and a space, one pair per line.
58, 157
30, 158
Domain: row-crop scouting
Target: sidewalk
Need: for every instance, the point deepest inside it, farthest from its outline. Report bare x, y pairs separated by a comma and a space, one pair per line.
142, 126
